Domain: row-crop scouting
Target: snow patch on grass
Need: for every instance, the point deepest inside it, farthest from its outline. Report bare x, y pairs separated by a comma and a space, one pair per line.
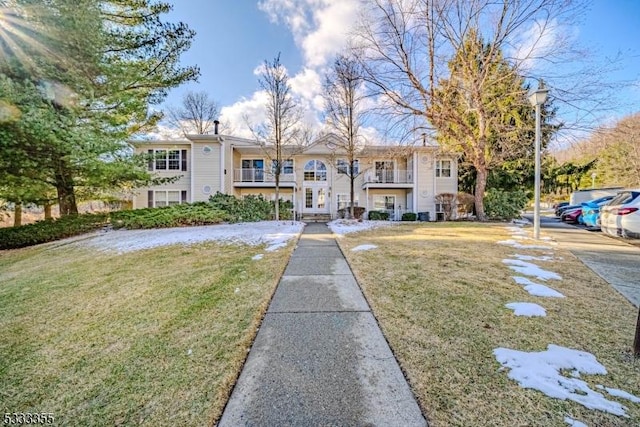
366, 247
275, 234
575, 423
517, 245
536, 289
527, 309
530, 269
346, 226
542, 371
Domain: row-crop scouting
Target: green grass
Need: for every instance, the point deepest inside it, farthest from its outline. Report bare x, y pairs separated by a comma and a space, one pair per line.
154, 337
439, 290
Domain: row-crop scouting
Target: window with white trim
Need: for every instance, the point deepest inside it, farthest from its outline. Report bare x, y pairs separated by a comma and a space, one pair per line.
343, 167
343, 201
161, 159
287, 166
160, 198
384, 203
443, 168
315, 170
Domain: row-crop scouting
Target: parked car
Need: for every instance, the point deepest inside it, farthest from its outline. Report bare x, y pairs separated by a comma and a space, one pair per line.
621, 216
572, 216
559, 205
591, 211
563, 209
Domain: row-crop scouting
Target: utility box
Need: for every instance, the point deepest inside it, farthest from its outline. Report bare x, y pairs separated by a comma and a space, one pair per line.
423, 216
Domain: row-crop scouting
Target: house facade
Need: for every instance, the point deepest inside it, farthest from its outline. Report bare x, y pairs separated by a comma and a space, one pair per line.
315, 179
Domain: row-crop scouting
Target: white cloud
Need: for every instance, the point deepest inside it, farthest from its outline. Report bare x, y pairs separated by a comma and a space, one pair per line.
538, 41
252, 110
319, 27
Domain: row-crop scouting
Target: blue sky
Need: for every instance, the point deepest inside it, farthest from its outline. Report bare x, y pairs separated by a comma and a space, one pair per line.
236, 36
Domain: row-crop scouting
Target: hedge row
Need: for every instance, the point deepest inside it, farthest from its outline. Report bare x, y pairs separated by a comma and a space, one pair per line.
200, 213
219, 208
50, 230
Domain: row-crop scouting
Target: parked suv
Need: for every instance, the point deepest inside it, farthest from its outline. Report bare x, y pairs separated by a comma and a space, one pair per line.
621, 216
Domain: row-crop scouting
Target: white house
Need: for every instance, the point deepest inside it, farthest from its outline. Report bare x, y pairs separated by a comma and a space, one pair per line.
393, 179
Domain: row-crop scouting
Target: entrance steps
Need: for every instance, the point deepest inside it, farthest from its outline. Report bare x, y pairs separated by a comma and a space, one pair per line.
315, 218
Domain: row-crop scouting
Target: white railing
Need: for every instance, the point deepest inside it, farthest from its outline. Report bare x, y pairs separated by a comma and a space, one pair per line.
259, 175
389, 177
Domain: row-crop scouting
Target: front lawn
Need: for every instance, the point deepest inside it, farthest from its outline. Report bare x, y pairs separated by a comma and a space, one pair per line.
154, 337
439, 292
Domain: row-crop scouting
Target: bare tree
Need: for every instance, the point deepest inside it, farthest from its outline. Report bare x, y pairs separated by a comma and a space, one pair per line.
195, 115
282, 127
343, 96
407, 48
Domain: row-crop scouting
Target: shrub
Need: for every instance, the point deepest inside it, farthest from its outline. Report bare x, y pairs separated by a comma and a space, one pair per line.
200, 213
249, 209
504, 205
409, 216
50, 230
358, 211
378, 215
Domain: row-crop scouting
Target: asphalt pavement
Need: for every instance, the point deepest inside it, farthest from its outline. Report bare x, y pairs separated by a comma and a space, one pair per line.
615, 260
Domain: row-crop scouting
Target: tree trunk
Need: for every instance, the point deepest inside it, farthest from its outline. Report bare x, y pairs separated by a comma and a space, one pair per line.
66, 198
277, 195
481, 185
17, 214
352, 193
47, 211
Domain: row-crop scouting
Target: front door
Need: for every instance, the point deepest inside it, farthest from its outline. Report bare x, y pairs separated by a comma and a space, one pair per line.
315, 199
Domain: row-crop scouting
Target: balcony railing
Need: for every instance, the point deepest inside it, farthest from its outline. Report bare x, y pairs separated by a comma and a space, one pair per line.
259, 175
389, 177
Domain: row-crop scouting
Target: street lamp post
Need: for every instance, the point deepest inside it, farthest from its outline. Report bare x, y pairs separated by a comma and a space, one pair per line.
593, 180
536, 99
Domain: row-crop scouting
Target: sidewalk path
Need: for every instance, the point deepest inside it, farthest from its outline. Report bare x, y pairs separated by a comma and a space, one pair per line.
320, 358
617, 262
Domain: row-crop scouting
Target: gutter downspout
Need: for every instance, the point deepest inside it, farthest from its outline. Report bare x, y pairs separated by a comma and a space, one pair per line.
415, 182
222, 170
435, 165
191, 174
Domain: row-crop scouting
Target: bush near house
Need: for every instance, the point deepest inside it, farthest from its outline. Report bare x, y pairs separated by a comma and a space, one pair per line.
50, 230
250, 208
378, 216
200, 213
409, 216
504, 205
358, 211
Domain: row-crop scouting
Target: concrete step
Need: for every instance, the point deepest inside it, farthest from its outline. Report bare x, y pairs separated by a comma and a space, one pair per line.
315, 218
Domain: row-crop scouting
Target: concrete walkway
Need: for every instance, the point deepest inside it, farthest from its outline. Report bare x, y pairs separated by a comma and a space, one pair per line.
320, 358
617, 262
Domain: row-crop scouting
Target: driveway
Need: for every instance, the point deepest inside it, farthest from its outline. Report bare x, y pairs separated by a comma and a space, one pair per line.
613, 259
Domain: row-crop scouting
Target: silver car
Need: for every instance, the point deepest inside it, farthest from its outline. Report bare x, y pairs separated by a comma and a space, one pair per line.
621, 216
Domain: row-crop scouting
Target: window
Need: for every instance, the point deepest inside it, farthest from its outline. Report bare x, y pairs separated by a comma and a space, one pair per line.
343, 167
253, 170
384, 171
443, 168
343, 201
315, 170
287, 166
159, 198
162, 160
384, 203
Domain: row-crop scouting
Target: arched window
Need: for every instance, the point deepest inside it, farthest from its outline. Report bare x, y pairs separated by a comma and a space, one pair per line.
315, 170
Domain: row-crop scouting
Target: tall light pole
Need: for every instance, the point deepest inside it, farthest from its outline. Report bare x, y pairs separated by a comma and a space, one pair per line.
536, 99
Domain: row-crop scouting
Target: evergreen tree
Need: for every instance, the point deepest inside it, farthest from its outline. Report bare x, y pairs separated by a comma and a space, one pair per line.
92, 69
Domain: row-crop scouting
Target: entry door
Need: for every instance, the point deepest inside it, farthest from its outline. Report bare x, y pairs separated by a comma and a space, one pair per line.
315, 200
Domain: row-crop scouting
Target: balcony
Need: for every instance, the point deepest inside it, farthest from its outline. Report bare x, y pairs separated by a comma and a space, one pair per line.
388, 178
261, 178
